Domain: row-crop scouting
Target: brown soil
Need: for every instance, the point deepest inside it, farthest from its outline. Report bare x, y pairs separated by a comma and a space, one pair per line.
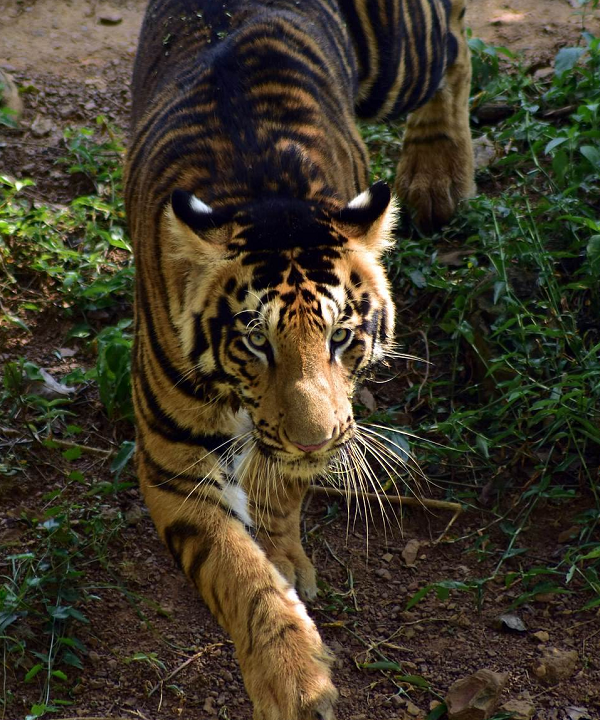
75, 67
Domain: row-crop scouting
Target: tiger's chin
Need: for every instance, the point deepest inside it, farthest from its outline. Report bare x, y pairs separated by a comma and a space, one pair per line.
305, 467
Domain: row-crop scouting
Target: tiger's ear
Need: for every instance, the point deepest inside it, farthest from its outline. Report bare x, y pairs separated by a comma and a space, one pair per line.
370, 218
195, 229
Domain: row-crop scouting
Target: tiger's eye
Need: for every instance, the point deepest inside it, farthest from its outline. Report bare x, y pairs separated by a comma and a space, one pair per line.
257, 339
340, 336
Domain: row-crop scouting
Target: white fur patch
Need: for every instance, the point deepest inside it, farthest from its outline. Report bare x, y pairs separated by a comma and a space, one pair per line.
292, 596
198, 206
360, 201
237, 500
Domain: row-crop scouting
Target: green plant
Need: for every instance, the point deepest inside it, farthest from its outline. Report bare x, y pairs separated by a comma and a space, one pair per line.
505, 302
42, 596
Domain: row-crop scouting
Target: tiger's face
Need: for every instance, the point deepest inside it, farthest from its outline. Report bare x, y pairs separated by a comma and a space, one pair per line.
286, 306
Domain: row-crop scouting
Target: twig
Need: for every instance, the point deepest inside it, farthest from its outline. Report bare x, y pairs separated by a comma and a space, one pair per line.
183, 665
66, 444
396, 500
456, 508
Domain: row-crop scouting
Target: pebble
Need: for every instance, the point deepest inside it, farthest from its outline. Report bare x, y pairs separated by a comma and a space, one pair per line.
542, 636
110, 19
41, 126
383, 573
209, 706
520, 709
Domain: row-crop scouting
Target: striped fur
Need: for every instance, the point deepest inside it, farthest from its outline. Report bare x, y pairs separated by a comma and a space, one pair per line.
261, 299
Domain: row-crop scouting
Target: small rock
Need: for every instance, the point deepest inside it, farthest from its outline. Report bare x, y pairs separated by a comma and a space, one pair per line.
383, 573
412, 709
540, 74
476, 696
542, 636
484, 151
110, 19
410, 552
41, 126
66, 352
520, 709
570, 534
93, 656
209, 706
510, 623
135, 515
227, 676
578, 713
388, 557
556, 665
398, 701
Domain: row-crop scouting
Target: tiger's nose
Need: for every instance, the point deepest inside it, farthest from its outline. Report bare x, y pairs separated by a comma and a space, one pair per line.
312, 448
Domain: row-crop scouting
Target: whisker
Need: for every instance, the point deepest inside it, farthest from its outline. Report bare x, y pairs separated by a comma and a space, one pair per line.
413, 470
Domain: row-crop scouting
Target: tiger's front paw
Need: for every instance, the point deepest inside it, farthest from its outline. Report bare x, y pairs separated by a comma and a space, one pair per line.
288, 676
318, 707
433, 177
293, 563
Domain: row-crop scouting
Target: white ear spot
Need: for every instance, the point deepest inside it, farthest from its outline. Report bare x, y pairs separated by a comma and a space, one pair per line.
361, 200
198, 206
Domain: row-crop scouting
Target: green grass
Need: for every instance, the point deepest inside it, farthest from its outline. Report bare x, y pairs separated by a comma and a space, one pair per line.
504, 303
508, 300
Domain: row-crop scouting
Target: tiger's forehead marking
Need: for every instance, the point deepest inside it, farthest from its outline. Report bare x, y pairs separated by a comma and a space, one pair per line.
299, 286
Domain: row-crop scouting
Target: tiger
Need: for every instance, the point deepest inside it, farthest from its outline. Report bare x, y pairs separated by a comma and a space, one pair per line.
261, 297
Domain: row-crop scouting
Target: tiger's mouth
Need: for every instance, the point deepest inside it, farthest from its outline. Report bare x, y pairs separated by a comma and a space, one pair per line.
317, 460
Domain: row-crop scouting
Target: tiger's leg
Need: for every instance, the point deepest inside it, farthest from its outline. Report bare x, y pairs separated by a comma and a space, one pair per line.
277, 520
436, 168
285, 665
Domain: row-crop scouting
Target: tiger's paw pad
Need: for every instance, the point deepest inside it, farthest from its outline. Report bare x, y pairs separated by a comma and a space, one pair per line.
432, 180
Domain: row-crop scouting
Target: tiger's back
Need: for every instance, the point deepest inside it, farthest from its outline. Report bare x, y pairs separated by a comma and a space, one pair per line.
261, 299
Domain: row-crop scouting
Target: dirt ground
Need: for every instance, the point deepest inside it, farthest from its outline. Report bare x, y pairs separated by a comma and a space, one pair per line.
77, 57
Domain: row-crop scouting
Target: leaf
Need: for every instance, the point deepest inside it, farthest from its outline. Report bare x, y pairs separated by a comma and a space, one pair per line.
554, 143
73, 453
593, 253
381, 665
482, 444
418, 278
415, 680
77, 476
60, 675
17, 321
71, 659
122, 457
418, 596
566, 59
438, 712
33, 672
595, 553
591, 153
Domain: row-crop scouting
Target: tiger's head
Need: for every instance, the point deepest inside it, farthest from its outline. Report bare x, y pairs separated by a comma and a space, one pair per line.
284, 307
